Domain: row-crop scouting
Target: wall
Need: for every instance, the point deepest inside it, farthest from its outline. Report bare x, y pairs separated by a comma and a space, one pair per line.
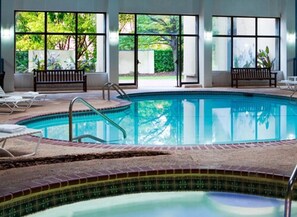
204, 8
285, 9
146, 62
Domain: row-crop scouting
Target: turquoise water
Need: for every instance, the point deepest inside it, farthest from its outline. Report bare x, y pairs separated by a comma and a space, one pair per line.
185, 119
173, 204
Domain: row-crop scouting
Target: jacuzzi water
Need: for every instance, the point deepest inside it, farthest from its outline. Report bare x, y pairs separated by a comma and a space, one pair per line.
173, 204
184, 119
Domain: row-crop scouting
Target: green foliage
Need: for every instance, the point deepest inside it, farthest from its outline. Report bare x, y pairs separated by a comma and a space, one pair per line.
163, 61
26, 42
126, 42
158, 24
29, 22
61, 22
32, 27
263, 59
86, 23
21, 58
126, 23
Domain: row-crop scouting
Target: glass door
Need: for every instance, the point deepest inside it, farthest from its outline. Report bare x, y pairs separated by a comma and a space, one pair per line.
127, 50
156, 67
188, 68
127, 60
158, 50
188, 58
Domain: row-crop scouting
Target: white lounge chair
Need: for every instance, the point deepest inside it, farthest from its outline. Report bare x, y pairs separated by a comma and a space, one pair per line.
34, 96
290, 83
15, 103
9, 131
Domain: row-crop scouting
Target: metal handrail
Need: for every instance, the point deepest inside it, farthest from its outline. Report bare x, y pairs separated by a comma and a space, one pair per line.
94, 110
116, 87
288, 198
79, 138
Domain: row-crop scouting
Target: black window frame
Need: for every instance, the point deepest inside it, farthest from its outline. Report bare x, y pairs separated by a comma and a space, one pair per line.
75, 34
232, 35
179, 34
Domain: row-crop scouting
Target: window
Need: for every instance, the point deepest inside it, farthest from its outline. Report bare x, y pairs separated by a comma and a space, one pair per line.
245, 42
59, 40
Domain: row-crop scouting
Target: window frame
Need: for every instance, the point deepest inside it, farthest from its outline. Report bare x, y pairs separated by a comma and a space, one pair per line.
179, 34
76, 34
232, 36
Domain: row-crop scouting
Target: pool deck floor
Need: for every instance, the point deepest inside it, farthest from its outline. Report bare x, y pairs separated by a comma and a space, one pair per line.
273, 158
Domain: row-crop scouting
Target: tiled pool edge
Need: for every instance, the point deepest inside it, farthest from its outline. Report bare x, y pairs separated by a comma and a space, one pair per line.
64, 190
15, 203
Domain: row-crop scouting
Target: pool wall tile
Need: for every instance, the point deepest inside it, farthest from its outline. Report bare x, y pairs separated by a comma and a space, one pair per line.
122, 175
167, 180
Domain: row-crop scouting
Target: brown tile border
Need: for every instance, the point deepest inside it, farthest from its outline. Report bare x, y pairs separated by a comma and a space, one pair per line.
60, 182
46, 141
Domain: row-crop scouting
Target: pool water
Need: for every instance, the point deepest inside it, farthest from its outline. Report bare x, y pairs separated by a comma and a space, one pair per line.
184, 119
173, 204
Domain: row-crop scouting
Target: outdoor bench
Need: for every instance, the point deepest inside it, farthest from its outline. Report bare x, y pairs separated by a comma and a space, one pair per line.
60, 76
253, 74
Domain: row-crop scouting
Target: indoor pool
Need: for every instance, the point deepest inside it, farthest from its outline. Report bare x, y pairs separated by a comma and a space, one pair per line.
183, 118
173, 204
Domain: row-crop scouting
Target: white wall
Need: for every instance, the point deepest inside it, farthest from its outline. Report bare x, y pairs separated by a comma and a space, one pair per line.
204, 8
146, 62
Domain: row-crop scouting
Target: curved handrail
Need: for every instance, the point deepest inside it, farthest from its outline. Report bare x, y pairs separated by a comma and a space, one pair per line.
288, 198
115, 87
79, 138
94, 110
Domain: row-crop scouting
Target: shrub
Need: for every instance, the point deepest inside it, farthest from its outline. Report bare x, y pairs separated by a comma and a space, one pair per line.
22, 61
163, 61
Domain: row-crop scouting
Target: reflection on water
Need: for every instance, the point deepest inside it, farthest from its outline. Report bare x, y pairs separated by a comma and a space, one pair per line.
186, 120
173, 204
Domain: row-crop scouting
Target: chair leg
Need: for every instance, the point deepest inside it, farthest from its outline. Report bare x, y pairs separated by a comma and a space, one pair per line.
25, 155
3, 143
7, 152
9, 107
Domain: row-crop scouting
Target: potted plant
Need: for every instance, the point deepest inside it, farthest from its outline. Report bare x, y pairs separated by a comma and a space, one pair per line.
263, 59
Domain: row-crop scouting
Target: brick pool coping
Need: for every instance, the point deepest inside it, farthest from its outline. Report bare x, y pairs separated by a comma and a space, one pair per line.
134, 180
12, 199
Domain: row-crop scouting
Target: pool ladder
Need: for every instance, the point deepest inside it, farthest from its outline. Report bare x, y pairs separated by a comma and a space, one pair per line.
288, 198
79, 138
116, 87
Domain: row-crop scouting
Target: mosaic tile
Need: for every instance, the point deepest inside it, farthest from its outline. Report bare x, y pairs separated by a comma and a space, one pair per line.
147, 185
164, 182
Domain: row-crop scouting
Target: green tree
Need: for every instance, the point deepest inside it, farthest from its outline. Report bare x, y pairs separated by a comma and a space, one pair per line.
61, 29
166, 27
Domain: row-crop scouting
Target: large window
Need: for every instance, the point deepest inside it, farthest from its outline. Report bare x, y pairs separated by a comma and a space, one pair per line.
59, 40
245, 42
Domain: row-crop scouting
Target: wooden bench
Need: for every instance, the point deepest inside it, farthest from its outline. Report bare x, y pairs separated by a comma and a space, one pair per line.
63, 76
253, 74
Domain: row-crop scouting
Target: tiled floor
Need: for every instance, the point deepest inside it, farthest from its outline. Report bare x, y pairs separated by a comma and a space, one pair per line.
275, 159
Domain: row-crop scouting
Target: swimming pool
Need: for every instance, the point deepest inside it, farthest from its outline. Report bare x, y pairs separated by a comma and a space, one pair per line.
184, 118
173, 204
